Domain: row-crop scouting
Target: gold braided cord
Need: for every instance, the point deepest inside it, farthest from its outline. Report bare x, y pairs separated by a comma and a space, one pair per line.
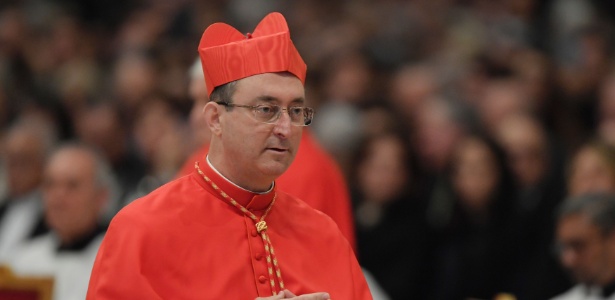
261, 227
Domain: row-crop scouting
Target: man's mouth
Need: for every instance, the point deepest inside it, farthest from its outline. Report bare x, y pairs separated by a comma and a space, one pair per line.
280, 150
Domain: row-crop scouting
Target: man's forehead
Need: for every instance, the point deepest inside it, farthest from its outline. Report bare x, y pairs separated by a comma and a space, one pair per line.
271, 86
576, 225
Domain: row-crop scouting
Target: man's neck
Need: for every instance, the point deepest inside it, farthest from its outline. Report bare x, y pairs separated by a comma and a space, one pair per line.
235, 184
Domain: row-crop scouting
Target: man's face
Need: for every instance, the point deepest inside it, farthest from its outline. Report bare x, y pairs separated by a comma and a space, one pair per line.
71, 197
24, 160
590, 173
255, 151
585, 251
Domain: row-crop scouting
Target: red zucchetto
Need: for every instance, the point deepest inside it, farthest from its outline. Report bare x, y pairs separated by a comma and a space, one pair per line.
227, 55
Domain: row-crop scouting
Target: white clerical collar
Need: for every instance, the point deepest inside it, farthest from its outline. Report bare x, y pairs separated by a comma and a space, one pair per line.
216, 170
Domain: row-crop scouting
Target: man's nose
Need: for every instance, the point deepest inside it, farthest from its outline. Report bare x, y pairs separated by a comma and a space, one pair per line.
283, 125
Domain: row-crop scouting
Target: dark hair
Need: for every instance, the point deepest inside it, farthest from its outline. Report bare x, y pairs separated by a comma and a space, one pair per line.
598, 207
504, 187
224, 93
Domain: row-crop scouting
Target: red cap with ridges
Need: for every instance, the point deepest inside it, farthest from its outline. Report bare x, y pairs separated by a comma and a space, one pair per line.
227, 55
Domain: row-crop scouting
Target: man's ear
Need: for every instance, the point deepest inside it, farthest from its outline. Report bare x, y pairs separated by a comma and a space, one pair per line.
211, 113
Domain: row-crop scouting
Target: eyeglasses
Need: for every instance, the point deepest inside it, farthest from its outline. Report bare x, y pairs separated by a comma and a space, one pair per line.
269, 113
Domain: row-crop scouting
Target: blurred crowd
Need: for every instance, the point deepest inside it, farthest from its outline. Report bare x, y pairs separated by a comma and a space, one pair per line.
460, 125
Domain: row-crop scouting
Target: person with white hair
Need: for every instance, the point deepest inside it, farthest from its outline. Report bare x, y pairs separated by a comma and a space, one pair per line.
77, 184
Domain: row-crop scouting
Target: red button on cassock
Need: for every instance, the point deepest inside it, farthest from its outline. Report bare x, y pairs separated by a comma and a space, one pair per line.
254, 233
262, 279
258, 256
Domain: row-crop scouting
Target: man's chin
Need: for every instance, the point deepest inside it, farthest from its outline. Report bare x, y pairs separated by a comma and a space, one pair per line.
275, 169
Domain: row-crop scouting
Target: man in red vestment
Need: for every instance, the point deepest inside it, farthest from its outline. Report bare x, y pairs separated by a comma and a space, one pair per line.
323, 186
226, 230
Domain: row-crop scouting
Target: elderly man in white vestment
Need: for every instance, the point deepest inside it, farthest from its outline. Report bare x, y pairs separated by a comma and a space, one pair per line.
76, 185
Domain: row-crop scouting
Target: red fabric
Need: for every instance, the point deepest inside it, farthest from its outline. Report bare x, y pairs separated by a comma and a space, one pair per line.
12, 294
184, 241
314, 177
227, 55
188, 167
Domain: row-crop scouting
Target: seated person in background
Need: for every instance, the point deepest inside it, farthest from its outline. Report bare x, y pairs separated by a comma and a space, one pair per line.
26, 146
392, 234
76, 186
592, 169
586, 244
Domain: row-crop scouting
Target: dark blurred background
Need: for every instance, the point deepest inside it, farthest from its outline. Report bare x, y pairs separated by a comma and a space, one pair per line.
459, 124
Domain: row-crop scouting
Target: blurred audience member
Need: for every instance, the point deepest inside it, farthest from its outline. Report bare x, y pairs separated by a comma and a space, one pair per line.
101, 125
501, 98
159, 134
592, 169
135, 79
473, 253
76, 186
199, 133
410, 87
606, 110
583, 58
197, 90
537, 175
346, 89
527, 146
586, 244
437, 129
27, 143
392, 235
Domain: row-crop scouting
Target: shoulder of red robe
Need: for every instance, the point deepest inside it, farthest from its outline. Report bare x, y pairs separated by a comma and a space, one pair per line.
227, 55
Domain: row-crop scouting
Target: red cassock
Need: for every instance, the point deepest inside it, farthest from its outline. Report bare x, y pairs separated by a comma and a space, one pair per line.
186, 241
314, 177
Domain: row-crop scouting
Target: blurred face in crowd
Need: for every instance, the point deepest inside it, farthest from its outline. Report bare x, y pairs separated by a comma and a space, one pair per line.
436, 134
254, 153
590, 172
24, 158
475, 175
134, 78
606, 128
500, 100
349, 80
159, 137
198, 94
382, 174
71, 193
101, 127
525, 144
153, 123
411, 86
585, 251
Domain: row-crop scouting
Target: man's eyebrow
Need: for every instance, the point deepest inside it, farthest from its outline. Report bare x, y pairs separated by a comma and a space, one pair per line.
267, 98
